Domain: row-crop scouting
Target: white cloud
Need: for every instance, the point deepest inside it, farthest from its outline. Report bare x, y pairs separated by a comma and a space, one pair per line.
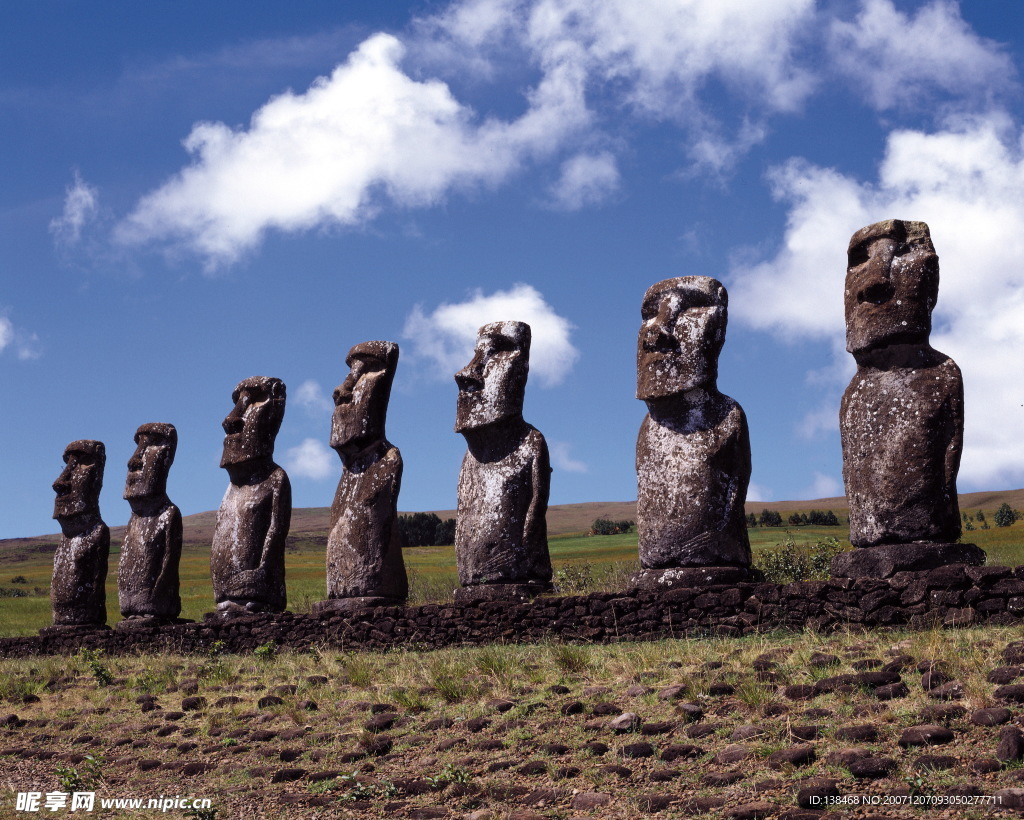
562, 460
586, 180
448, 334
366, 134
81, 202
823, 486
664, 55
758, 492
311, 459
310, 396
896, 59
377, 133
965, 182
24, 343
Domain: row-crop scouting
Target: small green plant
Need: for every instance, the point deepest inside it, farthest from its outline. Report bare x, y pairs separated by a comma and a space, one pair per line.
448, 775
201, 814
789, 561
266, 651
100, 673
575, 579
229, 741
216, 649
21, 579
73, 780
360, 791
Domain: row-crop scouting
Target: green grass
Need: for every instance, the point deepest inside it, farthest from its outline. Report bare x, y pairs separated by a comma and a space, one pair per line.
609, 559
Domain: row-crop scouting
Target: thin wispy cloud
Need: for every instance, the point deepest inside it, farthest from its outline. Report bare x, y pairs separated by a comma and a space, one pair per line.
446, 335
312, 398
586, 179
24, 344
81, 203
561, 458
895, 59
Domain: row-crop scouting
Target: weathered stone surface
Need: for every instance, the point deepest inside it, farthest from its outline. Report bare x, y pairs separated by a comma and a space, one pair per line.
693, 450
886, 560
364, 548
247, 558
501, 531
690, 577
1011, 745
147, 572
77, 592
901, 417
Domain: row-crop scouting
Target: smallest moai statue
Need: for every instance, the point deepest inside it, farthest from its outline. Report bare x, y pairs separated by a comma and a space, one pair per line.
501, 545
147, 575
78, 592
364, 548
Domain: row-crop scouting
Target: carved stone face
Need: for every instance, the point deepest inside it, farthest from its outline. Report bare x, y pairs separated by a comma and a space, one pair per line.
361, 401
151, 461
78, 486
681, 336
492, 386
892, 282
252, 425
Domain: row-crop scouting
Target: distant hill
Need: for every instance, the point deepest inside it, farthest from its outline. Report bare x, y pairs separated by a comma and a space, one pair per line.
313, 522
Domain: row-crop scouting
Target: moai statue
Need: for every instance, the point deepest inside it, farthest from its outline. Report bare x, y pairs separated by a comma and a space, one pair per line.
364, 548
501, 533
902, 415
147, 576
247, 560
693, 450
78, 593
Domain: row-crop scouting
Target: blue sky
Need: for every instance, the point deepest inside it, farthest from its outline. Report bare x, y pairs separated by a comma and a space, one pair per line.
194, 193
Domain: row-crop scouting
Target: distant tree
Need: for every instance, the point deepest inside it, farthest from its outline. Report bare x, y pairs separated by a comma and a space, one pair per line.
795, 520
831, 519
603, 526
804, 519
770, 518
751, 520
981, 516
420, 529
444, 533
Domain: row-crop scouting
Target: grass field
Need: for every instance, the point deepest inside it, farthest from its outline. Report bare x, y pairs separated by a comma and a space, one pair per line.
581, 563
675, 729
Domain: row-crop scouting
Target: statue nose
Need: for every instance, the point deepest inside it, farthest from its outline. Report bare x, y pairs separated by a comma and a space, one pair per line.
233, 424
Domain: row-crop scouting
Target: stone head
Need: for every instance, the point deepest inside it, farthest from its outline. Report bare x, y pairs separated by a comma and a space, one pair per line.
892, 283
78, 486
252, 424
361, 401
493, 385
681, 336
151, 461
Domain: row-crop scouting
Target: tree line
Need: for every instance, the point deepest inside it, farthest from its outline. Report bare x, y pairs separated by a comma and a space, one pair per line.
427, 530
773, 518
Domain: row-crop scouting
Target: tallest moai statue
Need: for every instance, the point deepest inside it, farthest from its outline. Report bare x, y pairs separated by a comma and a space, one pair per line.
902, 415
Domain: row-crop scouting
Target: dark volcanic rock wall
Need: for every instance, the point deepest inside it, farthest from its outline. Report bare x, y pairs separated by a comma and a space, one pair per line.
955, 595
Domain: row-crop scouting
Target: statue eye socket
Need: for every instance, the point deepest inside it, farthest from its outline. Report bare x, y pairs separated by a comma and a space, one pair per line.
858, 256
